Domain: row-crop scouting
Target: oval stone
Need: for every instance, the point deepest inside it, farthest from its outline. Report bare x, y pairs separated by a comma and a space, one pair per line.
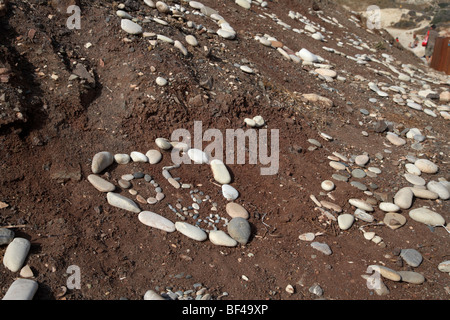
361, 160
190, 231
229, 192
394, 220
426, 166
157, 221
395, 139
152, 295
386, 272
424, 193
190, 39
361, 204
220, 172
444, 266
21, 289
198, 156
439, 188
130, 27
119, 201
220, 238
412, 257
138, 156
427, 217
16, 253
100, 184
122, 158
154, 156
337, 165
411, 277
345, 221
236, 210
403, 198
239, 229
163, 143
322, 247
388, 207
6, 236
101, 161
414, 179
327, 185
412, 169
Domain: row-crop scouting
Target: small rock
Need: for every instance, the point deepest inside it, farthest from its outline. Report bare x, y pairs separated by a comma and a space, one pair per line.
426, 166
345, 221
309, 236
163, 143
427, 217
411, 257
100, 184
21, 289
386, 272
411, 277
322, 247
439, 188
191, 231
236, 210
403, 198
444, 266
361, 204
198, 156
122, 202
220, 171
101, 161
152, 295
388, 207
220, 238
157, 221
239, 229
229, 192
6, 236
394, 220
122, 158
327, 185
138, 157
153, 156
130, 27
160, 81
16, 253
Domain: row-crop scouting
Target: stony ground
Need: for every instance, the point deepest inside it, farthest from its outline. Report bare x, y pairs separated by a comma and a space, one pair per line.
67, 94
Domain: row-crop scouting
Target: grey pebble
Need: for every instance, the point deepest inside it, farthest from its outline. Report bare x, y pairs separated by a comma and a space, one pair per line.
359, 185
358, 173
6, 236
411, 257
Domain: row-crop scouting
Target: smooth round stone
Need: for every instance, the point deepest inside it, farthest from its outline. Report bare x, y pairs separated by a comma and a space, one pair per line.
174, 183
190, 231
359, 185
152, 295
154, 156
403, 198
236, 210
163, 143
138, 157
395, 139
339, 177
444, 266
124, 183
345, 221
220, 238
414, 179
226, 34
309, 236
411, 277
16, 253
154, 220
412, 169
327, 185
150, 3
123, 14
426, 166
386, 272
196, 5
358, 173
177, 44
424, 194
246, 69
362, 215
337, 165
439, 188
361, 160
414, 105
427, 217
259, 121
152, 200
361, 204
162, 7
160, 81
369, 235
388, 207
100, 184
130, 27
394, 220
243, 3
322, 247
229, 192
239, 229
220, 171
101, 161
21, 289
250, 122
306, 55
127, 177
411, 257
6, 236
374, 170
326, 72
122, 158
119, 201
198, 156
191, 40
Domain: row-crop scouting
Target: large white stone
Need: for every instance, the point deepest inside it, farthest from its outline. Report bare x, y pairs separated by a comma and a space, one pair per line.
426, 166
198, 156
306, 55
220, 171
122, 202
101, 161
137, 156
361, 204
220, 238
21, 289
153, 156
345, 221
100, 184
191, 231
157, 221
439, 188
403, 198
388, 207
427, 217
16, 253
229, 192
130, 27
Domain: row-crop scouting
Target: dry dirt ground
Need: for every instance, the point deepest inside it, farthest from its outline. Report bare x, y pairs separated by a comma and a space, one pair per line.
51, 127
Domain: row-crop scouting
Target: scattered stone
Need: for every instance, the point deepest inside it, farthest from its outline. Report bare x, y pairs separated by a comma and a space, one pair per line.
327, 185
388, 207
331, 206
190, 39
220, 171
411, 257
306, 55
236, 210
152, 295
345, 221
191, 231
337, 165
119, 201
16, 253
220, 238
426, 166
122, 158
424, 193
153, 156
309, 236
239, 229
162, 7
157, 221
138, 157
163, 143
160, 81
394, 220
362, 215
444, 266
411, 277
403, 198
101, 161
21, 289
6, 236
130, 27
322, 247
26, 272
198, 156
361, 160
229, 192
412, 169
414, 179
361, 204
386, 272
427, 217
395, 139
358, 173
439, 188
100, 184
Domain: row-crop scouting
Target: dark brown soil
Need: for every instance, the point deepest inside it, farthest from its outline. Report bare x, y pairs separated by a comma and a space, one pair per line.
46, 152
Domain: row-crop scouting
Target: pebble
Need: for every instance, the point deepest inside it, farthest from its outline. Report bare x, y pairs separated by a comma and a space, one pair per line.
16, 253
361, 160
427, 217
439, 188
160, 81
337, 165
163, 143
122, 202
259, 121
359, 185
174, 183
322, 247
316, 289
239, 229
306, 55
362, 215
404, 198
229, 192
412, 169
386, 272
388, 207
26, 272
198, 156
177, 44
130, 27
220, 238
162, 7
152, 295
220, 171
157, 221
122, 158
191, 231
246, 69
127, 177
412, 257
424, 193
124, 183
236, 210
154, 156
444, 266
309, 236
411, 277
6, 236
426, 166
138, 157
326, 72
243, 3
21, 289
345, 221
100, 184
394, 220
358, 173
152, 200
191, 40
327, 185
414, 179
331, 206
101, 161
395, 139
361, 204
339, 177
123, 14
